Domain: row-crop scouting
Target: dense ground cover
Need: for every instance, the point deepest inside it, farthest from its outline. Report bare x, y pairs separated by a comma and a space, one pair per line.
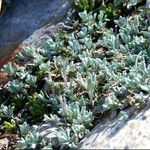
97, 60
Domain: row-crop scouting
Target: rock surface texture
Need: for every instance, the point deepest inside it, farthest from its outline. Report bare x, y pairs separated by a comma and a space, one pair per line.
26, 17
112, 134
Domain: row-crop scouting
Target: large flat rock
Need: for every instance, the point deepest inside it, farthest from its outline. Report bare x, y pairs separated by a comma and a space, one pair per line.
25, 17
112, 134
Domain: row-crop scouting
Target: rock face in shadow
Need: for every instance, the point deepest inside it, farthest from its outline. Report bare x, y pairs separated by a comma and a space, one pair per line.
25, 17
112, 134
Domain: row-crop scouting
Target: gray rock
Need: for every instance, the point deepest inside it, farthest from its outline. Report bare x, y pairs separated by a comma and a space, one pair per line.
4, 143
39, 37
48, 133
113, 134
26, 17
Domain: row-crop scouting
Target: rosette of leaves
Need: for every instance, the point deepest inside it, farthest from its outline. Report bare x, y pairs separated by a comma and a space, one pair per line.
89, 5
